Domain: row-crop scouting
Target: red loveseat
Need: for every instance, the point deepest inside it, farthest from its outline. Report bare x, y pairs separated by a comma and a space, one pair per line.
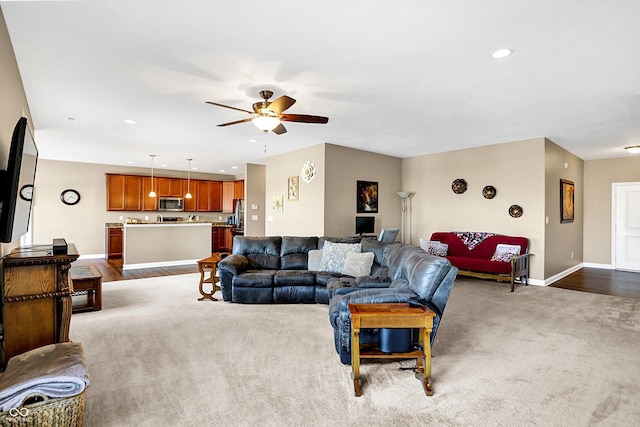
477, 261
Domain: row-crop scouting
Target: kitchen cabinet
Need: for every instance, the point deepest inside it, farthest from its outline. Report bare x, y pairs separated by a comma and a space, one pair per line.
238, 189
189, 187
149, 203
221, 239
114, 242
228, 194
170, 187
124, 192
209, 197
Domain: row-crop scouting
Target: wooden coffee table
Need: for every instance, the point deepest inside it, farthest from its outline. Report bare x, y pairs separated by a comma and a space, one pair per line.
392, 315
210, 263
87, 280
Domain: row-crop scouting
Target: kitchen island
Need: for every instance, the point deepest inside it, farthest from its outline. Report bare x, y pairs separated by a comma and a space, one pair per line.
147, 245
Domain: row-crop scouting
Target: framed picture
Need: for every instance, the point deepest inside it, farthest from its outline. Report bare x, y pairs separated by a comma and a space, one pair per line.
367, 196
292, 188
566, 201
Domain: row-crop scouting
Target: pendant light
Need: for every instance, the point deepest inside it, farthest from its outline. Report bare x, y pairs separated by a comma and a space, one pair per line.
152, 193
188, 195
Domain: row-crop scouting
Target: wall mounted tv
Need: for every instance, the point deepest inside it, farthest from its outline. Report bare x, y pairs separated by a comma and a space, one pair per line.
16, 183
365, 225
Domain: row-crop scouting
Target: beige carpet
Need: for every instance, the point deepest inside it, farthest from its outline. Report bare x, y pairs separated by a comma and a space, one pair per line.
540, 356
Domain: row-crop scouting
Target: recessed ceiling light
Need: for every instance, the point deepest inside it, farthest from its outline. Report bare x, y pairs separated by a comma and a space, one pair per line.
194, 168
221, 170
253, 140
501, 53
130, 122
234, 167
164, 166
130, 162
633, 149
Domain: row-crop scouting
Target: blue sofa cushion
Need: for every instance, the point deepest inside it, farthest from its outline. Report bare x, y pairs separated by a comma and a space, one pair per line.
293, 252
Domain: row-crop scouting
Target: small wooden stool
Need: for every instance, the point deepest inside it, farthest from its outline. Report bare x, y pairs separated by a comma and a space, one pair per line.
87, 281
212, 264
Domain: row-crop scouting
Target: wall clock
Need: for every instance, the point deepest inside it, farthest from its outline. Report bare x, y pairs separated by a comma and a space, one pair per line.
26, 192
70, 197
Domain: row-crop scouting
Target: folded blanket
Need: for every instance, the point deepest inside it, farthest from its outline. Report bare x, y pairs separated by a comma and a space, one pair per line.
472, 239
55, 370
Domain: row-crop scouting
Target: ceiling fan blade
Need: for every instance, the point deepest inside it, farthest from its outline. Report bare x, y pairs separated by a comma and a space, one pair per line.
228, 106
236, 122
281, 104
304, 118
280, 129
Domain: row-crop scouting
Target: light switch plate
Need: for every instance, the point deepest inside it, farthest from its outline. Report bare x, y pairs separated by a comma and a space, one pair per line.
254, 206
254, 217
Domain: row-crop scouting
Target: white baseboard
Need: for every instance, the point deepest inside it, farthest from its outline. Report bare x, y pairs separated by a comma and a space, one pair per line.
160, 264
562, 274
597, 265
91, 256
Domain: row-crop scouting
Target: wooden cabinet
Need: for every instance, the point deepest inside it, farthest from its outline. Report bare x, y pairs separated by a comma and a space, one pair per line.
114, 243
170, 187
124, 192
228, 194
238, 189
131, 193
221, 239
209, 196
189, 187
36, 308
149, 203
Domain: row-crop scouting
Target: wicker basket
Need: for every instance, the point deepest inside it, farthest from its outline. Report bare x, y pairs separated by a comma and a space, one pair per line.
47, 412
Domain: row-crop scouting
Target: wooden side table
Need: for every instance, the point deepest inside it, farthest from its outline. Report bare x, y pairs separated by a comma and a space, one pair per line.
211, 264
87, 280
392, 315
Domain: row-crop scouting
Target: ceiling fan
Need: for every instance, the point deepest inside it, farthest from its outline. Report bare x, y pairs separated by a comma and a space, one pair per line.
268, 115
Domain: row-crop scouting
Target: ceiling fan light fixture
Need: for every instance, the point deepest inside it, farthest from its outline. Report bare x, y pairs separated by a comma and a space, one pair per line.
633, 149
265, 123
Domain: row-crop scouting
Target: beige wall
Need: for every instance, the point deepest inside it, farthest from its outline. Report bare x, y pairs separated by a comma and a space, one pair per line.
83, 224
304, 217
599, 175
344, 167
515, 169
254, 192
13, 103
562, 240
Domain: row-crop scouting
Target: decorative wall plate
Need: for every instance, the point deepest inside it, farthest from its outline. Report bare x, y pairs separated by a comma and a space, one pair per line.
515, 211
308, 172
489, 192
459, 186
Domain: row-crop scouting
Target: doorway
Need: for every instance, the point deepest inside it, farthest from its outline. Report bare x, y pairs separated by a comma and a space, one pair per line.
625, 245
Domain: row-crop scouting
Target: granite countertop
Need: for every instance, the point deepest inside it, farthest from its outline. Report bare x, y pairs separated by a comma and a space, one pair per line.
121, 225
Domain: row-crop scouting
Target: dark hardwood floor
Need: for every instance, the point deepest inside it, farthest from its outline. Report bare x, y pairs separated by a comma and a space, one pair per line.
595, 280
601, 281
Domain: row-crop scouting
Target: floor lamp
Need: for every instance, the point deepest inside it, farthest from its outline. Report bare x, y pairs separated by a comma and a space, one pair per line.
404, 195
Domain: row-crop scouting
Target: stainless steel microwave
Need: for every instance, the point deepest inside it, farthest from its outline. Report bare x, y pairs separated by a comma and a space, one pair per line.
174, 204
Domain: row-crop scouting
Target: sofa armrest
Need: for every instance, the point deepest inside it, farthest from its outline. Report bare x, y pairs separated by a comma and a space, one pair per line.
234, 264
373, 282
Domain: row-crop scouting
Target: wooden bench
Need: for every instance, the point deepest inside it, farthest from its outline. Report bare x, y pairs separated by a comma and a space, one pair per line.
87, 281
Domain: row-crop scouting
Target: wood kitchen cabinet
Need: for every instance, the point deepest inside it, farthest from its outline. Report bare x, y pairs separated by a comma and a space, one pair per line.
149, 203
189, 187
114, 242
124, 193
228, 194
170, 187
36, 304
221, 239
238, 187
209, 198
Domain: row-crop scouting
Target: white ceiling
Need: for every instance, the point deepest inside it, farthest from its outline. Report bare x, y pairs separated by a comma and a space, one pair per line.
401, 78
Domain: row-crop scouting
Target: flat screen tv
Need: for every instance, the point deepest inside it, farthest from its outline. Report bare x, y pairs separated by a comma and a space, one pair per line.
365, 224
16, 183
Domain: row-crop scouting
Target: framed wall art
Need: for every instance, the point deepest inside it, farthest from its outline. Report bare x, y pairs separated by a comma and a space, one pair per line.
293, 188
367, 196
566, 201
